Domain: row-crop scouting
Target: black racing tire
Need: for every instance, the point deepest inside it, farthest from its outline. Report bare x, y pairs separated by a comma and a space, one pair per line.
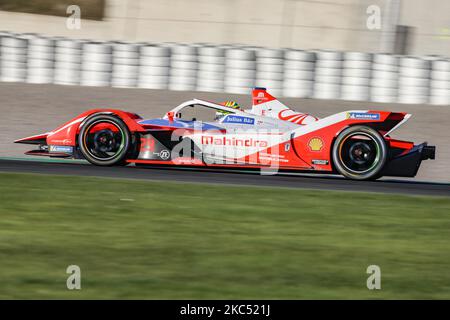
118, 145
360, 153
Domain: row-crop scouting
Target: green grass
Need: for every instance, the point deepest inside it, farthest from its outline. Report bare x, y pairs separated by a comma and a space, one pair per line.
138, 239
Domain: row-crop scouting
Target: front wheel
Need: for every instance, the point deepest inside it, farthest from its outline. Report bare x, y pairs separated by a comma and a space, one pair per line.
105, 140
359, 153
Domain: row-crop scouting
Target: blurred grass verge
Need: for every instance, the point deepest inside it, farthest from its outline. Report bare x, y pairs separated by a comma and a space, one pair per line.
90, 9
160, 240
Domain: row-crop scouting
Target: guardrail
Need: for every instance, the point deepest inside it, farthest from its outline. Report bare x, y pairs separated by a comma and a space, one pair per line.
317, 74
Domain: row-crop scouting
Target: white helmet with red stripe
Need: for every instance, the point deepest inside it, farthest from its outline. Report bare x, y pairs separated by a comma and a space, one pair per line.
266, 105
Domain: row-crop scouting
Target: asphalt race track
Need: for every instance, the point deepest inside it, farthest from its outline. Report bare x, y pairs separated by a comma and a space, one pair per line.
29, 109
225, 177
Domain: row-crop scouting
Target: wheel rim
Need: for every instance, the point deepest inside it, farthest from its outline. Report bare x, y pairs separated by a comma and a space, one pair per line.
359, 153
104, 140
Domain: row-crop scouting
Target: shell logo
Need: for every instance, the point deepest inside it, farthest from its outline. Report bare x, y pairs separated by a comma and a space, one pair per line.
315, 144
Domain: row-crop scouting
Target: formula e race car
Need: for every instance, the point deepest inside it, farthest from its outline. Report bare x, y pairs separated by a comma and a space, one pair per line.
269, 136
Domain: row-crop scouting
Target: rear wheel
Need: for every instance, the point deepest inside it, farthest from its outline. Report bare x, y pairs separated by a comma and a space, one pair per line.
105, 140
359, 153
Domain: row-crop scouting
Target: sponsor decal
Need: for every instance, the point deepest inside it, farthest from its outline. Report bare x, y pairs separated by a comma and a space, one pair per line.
267, 157
224, 141
319, 162
363, 116
287, 146
63, 142
164, 154
63, 149
239, 119
315, 144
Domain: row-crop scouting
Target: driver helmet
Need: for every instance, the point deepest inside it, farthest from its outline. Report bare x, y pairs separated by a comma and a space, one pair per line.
230, 104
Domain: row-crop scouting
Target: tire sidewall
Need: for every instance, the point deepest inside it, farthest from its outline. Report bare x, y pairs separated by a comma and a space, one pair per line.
118, 159
376, 171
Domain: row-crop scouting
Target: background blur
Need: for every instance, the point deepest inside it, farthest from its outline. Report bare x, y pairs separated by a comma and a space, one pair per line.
302, 24
382, 51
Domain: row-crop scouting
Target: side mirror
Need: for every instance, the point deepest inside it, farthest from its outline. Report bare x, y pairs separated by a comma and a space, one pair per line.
170, 116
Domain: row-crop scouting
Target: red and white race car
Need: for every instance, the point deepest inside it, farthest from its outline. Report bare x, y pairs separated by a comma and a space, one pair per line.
269, 136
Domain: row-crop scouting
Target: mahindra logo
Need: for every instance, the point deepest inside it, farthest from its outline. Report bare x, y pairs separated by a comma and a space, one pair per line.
293, 116
234, 142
